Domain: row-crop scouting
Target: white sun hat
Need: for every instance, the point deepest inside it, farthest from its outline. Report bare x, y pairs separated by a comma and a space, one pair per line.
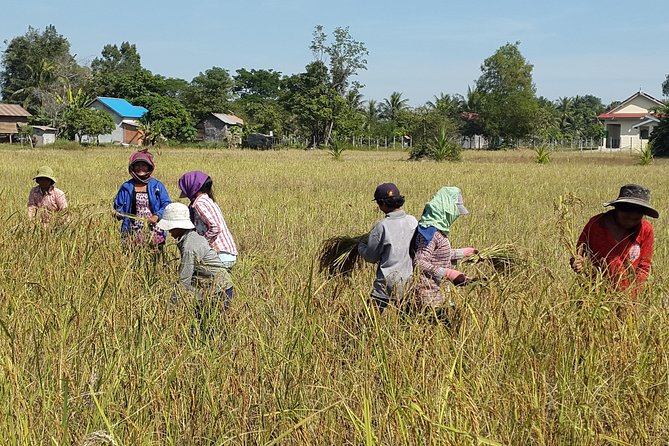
176, 216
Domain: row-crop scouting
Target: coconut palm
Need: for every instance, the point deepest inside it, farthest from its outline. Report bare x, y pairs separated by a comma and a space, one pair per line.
391, 106
564, 105
371, 114
354, 99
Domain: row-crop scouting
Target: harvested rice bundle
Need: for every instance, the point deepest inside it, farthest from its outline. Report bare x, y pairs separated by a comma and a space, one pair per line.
501, 257
339, 255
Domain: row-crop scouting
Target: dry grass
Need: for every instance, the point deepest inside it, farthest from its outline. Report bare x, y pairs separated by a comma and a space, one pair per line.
90, 350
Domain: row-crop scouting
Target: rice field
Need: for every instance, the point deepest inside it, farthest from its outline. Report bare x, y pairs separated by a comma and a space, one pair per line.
92, 353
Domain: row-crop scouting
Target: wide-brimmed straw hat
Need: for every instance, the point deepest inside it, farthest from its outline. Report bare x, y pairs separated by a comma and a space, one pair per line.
45, 172
176, 216
636, 195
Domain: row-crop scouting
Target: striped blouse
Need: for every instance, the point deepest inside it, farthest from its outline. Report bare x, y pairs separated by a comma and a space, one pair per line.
209, 222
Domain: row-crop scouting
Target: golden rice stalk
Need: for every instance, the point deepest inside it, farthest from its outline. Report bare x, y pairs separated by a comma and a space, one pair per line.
501, 256
339, 255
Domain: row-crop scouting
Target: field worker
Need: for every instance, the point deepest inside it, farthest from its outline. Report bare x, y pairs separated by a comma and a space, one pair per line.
140, 202
209, 222
434, 257
388, 245
619, 242
201, 271
45, 199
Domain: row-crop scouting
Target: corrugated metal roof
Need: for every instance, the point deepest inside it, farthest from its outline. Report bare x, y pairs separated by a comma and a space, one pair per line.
229, 119
44, 127
122, 107
13, 110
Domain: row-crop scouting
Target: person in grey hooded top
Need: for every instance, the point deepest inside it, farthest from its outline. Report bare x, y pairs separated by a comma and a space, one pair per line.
388, 245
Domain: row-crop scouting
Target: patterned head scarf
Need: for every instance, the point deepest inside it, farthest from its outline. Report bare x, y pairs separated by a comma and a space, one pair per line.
441, 212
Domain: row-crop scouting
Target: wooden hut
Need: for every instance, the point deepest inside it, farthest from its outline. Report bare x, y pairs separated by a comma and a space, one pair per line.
11, 116
217, 127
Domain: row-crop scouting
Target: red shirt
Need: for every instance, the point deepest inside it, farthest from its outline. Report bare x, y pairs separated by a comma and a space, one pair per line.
627, 259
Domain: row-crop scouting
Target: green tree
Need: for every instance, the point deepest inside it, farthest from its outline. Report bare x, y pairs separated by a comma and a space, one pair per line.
507, 95
167, 117
347, 56
391, 106
665, 86
78, 122
371, 115
209, 92
34, 66
659, 139
312, 101
119, 73
257, 94
257, 84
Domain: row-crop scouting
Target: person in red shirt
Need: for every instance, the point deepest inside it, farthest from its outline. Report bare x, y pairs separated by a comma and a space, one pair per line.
620, 242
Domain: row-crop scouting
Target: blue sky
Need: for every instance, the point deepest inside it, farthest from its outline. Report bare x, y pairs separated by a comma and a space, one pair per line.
420, 48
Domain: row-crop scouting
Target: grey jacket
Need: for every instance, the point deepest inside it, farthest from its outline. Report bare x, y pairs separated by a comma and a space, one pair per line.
388, 245
200, 265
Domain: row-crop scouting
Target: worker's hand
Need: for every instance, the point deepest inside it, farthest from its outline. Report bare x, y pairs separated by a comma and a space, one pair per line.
468, 252
577, 263
455, 276
153, 219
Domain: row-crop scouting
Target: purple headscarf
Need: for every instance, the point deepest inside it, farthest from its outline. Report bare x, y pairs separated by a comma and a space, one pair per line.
191, 182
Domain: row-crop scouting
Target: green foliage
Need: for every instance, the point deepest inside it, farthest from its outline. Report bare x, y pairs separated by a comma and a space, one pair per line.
336, 147
209, 92
393, 105
78, 122
441, 147
167, 118
646, 155
311, 100
659, 139
36, 64
119, 73
346, 55
542, 154
507, 102
257, 84
665, 86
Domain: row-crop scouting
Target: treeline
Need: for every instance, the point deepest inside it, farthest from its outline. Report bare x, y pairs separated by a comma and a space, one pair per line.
316, 105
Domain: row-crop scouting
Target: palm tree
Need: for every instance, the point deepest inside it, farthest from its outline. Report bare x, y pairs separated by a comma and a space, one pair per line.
371, 114
449, 105
393, 105
564, 105
354, 99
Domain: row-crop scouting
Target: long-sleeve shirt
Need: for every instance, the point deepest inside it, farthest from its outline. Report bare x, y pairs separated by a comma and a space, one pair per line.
388, 245
49, 201
433, 260
209, 223
200, 265
624, 261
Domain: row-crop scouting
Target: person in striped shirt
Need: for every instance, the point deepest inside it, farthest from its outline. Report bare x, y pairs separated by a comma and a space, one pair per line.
207, 217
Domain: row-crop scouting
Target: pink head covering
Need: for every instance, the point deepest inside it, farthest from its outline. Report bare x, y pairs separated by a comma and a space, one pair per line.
191, 182
141, 156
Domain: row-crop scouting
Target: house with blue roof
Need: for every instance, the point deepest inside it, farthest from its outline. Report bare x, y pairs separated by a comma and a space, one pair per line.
126, 117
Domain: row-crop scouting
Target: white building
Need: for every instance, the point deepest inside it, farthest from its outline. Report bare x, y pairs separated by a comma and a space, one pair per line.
126, 117
629, 125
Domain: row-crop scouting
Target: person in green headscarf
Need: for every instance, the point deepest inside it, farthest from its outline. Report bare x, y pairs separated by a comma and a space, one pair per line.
434, 257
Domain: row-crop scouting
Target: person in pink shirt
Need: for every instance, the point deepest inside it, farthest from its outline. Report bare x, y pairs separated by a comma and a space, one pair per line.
45, 199
207, 216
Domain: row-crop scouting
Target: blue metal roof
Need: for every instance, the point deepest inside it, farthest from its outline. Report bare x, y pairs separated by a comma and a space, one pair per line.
122, 107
